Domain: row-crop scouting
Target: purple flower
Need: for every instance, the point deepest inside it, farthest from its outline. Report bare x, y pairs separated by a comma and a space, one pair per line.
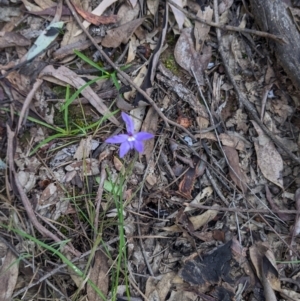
131, 140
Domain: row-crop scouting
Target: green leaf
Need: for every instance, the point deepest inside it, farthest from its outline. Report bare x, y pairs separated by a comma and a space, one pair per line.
45, 141
72, 98
89, 61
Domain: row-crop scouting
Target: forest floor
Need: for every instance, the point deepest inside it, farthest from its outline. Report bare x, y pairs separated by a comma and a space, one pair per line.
148, 151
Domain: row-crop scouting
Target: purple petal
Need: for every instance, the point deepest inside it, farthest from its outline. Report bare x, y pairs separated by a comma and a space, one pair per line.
117, 139
138, 145
129, 123
143, 136
124, 148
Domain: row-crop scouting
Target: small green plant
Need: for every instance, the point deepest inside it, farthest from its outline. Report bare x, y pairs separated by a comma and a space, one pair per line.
76, 130
67, 130
115, 189
64, 259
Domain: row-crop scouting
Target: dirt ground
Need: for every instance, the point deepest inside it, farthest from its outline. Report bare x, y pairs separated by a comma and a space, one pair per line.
149, 150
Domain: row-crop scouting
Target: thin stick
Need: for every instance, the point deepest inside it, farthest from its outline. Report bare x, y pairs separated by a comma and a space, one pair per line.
226, 209
99, 197
57, 269
28, 263
123, 74
26, 104
26, 203
228, 27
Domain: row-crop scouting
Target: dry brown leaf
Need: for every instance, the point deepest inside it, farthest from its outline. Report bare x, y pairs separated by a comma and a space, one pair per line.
187, 56
240, 119
121, 34
48, 196
70, 77
184, 121
183, 222
72, 34
235, 172
183, 295
159, 290
203, 194
87, 167
119, 165
274, 207
98, 11
186, 186
30, 6
150, 125
201, 30
8, 274
290, 293
173, 228
179, 15
133, 44
176, 85
12, 39
230, 139
204, 218
152, 6
99, 276
84, 148
51, 11
296, 229
133, 3
264, 262
268, 158
224, 5
19, 82
126, 13
43, 4
137, 80
94, 19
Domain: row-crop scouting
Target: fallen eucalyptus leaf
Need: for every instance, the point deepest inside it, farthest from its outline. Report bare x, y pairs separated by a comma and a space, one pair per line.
188, 58
268, 158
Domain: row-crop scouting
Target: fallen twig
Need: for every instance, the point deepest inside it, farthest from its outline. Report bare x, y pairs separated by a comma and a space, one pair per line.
60, 267
26, 203
228, 27
99, 197
26, 104
226, 209
123, 74
32, 266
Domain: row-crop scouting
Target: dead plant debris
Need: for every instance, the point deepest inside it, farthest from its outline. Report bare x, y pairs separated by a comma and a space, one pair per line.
209, 209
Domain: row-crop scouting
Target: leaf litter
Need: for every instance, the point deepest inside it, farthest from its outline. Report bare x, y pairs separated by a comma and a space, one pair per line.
209, 209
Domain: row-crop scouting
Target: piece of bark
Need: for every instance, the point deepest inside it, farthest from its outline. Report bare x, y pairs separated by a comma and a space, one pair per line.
272, 16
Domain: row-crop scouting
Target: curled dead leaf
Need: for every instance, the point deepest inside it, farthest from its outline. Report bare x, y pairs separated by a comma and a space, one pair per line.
235, 172
184, 121
116, 36
187, 184
268, 158
188, 58
94, 19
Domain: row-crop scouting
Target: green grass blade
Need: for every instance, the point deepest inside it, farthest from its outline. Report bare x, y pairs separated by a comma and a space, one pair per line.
90, 62
45, 141
61, 256
115, 80
66, 111
72, 98
49, 126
